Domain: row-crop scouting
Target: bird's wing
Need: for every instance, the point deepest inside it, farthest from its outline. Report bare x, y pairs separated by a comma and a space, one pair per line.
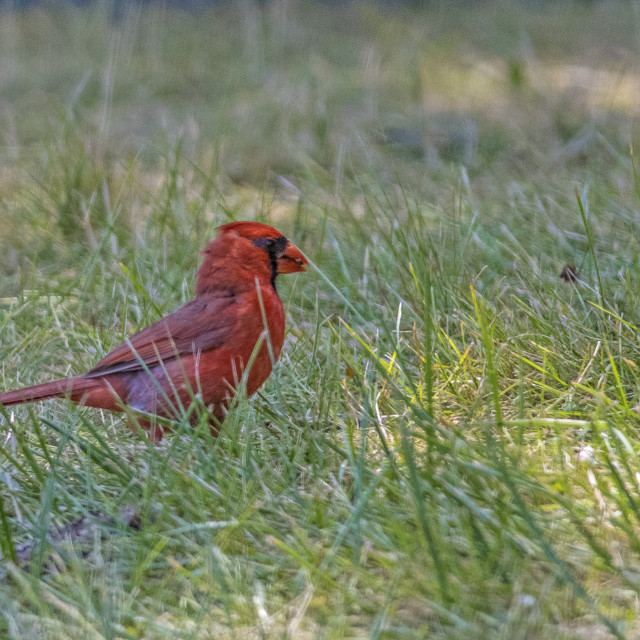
200, 325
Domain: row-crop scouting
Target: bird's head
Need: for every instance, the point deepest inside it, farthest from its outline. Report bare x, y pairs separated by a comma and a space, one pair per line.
287, 256
243, 251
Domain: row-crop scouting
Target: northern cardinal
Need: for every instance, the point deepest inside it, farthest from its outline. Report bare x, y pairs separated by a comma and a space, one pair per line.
202, 348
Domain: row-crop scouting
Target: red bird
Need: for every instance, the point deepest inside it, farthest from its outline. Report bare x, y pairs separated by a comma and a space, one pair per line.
202, 348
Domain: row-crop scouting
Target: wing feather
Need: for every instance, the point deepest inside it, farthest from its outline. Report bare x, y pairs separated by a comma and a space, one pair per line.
200, 325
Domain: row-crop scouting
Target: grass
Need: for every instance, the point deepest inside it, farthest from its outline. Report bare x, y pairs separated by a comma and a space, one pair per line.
448, 447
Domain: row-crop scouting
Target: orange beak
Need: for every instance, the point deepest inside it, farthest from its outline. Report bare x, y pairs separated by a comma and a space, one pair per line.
291, 260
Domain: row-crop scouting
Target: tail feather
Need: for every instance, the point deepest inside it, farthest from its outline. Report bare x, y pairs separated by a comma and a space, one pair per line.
47, 390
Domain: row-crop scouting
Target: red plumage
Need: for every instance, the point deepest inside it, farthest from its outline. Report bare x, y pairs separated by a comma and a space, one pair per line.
202, 348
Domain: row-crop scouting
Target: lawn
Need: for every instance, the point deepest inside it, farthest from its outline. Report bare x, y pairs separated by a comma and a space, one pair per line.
448, 447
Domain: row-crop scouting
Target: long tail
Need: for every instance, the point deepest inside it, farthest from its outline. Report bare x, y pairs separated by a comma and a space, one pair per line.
53, 389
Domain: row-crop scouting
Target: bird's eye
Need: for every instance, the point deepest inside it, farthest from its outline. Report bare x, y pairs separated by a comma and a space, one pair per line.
263, 243
272, 245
